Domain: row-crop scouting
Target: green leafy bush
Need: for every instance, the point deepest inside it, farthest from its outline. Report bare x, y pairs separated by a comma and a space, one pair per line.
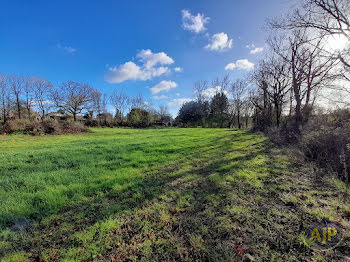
139, 117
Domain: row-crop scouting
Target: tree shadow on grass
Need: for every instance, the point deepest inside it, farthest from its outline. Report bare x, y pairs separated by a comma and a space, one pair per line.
55, 231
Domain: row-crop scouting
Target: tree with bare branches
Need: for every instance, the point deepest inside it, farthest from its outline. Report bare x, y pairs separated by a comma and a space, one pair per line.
29, 95
73, 97
199, 89
120, 102
238, 91
310, 70
42, 89
4, 97
277, 77
16, 86
325, 17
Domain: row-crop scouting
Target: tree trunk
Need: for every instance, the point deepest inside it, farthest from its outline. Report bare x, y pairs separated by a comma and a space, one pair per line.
18, 107
29, 115
238, 119
298, 114
4, 110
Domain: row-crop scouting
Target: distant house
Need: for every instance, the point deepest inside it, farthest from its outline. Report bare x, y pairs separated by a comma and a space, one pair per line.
164, 121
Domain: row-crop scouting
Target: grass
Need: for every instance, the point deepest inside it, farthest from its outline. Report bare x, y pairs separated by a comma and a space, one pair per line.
161, 195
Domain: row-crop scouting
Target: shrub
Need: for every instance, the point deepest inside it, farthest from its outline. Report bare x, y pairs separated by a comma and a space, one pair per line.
326, 141
51, 127
15, 126
73, 127
139, 118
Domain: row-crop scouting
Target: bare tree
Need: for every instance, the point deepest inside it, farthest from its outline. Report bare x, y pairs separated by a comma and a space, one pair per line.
4, 97
247, 109
120, 102
310, 70
29, 95
260, 99
16, 86
328, 17
238, 91
199, 90
42, 91
96, 104
221, 84
73, 97
277, 77
163, 111
138, 101
104, 103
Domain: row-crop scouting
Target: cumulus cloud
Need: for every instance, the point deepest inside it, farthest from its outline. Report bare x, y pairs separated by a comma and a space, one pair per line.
178, 69
219, 42
151, 66
195, 24
151, 59
131, 71
163, 86
230, 66
211, 92
178, 102
257, 50
243, 64
254, 50
160, 97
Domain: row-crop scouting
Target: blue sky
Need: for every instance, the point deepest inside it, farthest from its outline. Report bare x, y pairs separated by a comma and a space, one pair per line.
156, 48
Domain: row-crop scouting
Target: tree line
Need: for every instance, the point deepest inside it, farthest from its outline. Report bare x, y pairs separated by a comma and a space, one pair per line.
221, 103
33, 98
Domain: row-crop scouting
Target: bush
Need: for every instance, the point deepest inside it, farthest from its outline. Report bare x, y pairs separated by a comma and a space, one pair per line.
139, 118
51, 127
73, 127
326, 141
15, 126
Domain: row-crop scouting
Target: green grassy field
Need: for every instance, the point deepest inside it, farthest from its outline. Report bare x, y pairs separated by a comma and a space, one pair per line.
161, 195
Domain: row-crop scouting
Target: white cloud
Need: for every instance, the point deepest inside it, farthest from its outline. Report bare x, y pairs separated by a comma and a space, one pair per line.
160, 97
257, 50
151, 59
254, 49
163, 86
211, 92
67, 49
178, 102
219, 42
178, 69
148, 69
193, 23
131, 71
230, 66
243, 64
